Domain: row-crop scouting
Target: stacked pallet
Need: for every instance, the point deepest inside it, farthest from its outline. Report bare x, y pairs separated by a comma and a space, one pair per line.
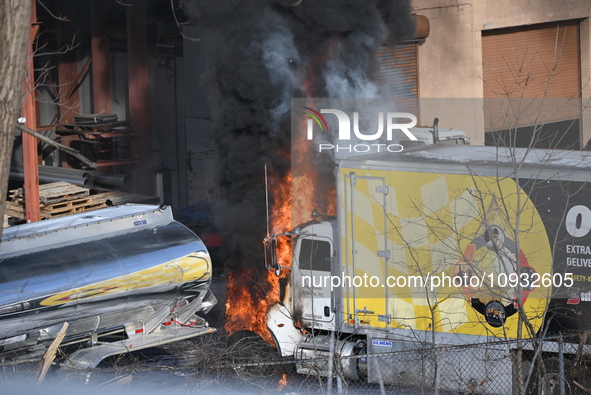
62, 198
56, 200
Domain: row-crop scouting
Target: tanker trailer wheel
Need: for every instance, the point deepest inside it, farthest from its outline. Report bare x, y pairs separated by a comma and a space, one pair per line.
253, 356
549, 384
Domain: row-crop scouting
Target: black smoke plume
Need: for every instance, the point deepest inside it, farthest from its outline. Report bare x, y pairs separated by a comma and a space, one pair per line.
265, 53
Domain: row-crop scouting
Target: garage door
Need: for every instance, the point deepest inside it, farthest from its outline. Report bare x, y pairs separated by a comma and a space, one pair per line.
397, 74
531, 75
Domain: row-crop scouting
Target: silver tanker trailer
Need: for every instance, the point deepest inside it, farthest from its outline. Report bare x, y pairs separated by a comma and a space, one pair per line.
130, 271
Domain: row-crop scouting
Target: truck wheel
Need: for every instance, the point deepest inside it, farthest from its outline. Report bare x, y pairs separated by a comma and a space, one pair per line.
549, 384
250, 353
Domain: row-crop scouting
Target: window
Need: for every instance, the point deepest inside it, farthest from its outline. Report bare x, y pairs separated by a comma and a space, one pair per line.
315, 255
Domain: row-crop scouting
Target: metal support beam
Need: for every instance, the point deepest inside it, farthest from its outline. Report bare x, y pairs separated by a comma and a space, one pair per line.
139, 95
30, 155
69, 98
74, 152
101, 75
67, 68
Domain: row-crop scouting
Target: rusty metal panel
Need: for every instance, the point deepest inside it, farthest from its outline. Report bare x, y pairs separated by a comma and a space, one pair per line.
69, 75
397, 74
139, 96
532, 62
101, 67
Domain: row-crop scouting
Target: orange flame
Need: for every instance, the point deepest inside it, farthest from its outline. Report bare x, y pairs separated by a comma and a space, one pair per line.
294, 197
245, 312
282, 383
252, 293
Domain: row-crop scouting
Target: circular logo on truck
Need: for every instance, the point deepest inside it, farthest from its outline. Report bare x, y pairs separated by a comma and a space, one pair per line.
482, 244
502, 273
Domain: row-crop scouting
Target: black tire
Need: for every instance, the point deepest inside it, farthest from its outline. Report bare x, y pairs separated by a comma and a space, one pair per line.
251, 354
549, 383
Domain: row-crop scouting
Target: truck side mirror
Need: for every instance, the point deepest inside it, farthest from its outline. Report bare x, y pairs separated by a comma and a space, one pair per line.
271, 255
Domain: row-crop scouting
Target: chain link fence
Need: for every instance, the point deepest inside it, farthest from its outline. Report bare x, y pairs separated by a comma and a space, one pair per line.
249, 366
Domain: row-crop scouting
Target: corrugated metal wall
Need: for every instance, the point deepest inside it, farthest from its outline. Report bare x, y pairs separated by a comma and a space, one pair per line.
397, 74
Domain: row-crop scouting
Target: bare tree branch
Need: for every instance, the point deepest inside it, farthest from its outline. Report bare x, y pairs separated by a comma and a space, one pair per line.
59, 18
178, 24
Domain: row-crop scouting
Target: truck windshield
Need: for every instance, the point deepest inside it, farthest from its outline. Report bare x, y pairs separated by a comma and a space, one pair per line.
314, 255
458, 141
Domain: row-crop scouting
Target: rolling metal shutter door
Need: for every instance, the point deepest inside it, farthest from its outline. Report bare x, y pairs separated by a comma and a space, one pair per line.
519, 62
397, 74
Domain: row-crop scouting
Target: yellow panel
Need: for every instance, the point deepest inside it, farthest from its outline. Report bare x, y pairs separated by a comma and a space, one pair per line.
439, 225
188, 268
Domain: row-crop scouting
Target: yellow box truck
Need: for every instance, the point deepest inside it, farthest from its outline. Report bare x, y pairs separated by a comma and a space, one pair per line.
440, 246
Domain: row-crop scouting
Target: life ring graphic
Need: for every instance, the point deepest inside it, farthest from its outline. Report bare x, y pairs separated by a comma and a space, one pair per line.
491, 258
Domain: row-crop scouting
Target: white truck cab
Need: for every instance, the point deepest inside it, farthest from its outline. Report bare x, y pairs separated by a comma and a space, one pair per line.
431, 135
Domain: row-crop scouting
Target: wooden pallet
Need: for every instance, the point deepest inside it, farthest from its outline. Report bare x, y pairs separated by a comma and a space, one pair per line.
74, 210
76, 204
15, 210
55, 199
119, 198
56, 210
52, 193
60, 191
68, 205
